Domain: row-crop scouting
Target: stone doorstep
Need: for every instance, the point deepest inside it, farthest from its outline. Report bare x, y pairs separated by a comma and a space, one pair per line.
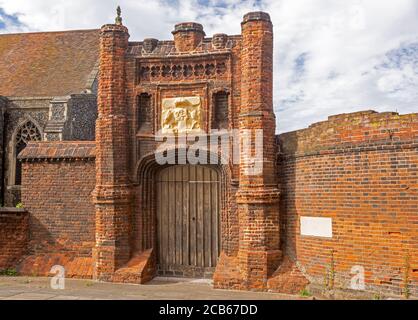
182, 280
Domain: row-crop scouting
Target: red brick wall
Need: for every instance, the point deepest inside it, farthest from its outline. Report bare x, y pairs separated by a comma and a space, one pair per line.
361, 170
56, 191
13, 236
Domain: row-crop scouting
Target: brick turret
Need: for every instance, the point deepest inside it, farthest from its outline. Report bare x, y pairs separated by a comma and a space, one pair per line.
187, 36
112, 195
258, 193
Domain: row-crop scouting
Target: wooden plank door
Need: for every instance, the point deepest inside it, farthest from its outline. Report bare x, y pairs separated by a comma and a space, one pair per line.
188, 207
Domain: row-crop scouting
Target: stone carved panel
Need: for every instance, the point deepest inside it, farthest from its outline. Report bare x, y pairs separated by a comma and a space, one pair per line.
58, 112
181, 114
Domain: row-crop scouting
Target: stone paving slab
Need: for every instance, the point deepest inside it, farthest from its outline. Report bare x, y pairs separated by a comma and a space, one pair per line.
65, 298
30, 296
26, 288
8, 293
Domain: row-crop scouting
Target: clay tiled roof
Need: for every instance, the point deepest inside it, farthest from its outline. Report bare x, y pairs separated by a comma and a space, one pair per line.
47, 63
58, 150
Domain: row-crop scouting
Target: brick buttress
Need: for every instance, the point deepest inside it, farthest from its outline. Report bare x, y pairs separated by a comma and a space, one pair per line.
112, 195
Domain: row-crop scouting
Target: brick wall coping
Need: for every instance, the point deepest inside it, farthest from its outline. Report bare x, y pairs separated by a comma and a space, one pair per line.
352, 131
188, 26
256, 16
61, 150
12, 211
367, 117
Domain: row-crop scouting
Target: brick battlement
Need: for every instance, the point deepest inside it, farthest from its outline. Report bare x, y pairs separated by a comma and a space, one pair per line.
58, 150
352, 129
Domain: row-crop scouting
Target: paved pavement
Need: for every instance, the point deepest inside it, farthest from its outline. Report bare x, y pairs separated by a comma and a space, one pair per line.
26, 288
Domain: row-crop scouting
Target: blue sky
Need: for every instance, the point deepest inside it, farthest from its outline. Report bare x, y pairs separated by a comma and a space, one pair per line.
8, 20
330, 56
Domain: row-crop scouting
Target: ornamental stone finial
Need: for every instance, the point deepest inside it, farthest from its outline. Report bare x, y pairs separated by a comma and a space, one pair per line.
118, 19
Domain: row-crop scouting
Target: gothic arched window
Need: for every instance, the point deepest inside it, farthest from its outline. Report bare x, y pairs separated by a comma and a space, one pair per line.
27, 132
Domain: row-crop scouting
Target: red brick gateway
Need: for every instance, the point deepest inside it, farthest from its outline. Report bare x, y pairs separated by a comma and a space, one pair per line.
340, 194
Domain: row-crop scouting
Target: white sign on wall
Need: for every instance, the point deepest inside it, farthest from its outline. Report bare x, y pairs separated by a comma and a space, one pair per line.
316, 227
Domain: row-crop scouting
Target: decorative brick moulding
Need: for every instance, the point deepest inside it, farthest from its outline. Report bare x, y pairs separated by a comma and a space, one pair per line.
106, 210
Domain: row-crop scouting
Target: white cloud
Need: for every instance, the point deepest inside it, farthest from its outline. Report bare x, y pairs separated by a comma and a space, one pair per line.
330, 56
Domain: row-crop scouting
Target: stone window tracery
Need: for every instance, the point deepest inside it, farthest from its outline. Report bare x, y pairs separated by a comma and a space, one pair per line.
27, 132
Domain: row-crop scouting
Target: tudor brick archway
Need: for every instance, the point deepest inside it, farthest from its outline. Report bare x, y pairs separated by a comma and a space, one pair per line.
182, 213
188, 220
126, 225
